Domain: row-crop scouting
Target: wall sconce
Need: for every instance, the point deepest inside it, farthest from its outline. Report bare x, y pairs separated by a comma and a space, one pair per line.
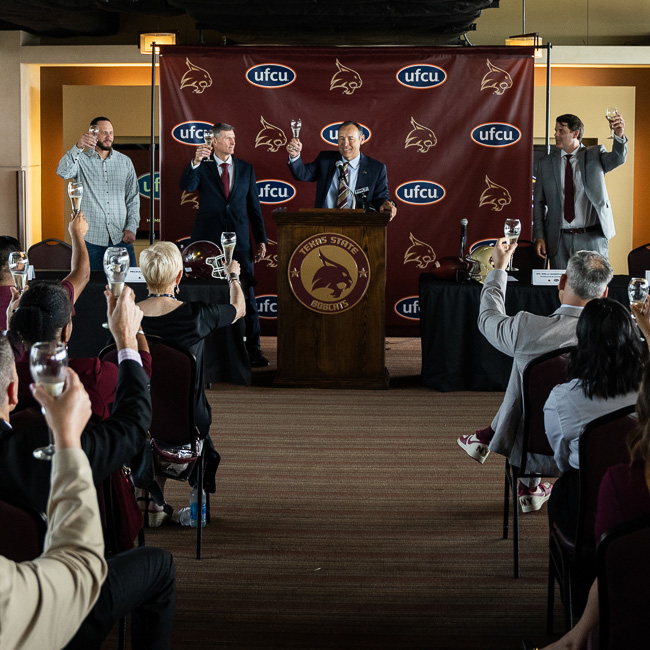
147, 40
527, 40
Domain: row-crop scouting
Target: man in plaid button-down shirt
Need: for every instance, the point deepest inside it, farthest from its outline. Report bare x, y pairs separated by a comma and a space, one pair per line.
110, 201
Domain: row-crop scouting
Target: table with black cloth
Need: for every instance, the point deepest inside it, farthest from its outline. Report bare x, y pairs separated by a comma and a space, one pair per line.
455, 355
226, 359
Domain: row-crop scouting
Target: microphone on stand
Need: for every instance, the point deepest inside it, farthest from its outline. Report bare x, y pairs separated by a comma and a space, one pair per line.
339, 164
463, 237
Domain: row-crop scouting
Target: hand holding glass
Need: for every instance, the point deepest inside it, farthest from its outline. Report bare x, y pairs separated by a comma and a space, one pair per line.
228, 243
116, 266
296, 125
18, 266
47, 363
75, 192
637, 292
208, 138
511, 230
610, 114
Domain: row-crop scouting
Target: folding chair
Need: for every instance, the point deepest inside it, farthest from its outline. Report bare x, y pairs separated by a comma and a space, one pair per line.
638, 261
541, 375
571, 561
51, 254
623, 578
23, 531
526, 258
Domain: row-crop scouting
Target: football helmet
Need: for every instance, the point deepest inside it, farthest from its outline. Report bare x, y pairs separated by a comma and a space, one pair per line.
483, 264
204, 260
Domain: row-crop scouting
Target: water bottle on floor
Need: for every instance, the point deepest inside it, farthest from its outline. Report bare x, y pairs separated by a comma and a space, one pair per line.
183, 516
194, 507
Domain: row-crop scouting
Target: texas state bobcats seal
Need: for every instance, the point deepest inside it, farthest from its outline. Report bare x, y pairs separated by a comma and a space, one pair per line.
329, 273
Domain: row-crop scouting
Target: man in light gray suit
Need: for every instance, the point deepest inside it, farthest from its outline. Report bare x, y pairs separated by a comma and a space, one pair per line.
524, 337
571, 209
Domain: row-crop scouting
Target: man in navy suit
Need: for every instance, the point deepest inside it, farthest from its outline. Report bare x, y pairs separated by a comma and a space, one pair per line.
365, 177
571, 208
228, 201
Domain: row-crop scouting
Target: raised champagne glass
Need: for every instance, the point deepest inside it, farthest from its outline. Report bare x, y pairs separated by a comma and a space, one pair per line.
18, 267
208, 138
610, 114
637, 292
511, 230
47, 363
228, 243
296, 125
75, 192
94, 130
116, 266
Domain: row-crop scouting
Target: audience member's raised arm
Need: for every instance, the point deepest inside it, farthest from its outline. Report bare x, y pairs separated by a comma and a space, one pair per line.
80, 265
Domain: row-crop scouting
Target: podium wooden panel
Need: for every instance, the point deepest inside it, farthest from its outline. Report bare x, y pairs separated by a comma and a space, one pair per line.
335, 350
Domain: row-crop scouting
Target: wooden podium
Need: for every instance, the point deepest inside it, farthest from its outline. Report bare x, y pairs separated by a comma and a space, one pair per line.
331, 308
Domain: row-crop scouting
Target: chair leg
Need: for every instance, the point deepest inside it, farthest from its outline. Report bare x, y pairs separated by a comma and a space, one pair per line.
550, 597
515, 522
121, 635
506, 500
199, 522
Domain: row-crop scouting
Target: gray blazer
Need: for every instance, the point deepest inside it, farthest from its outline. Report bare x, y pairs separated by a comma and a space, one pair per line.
594, 163
523, 337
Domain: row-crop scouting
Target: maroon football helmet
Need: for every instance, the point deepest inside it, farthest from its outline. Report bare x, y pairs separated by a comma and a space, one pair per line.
204, 260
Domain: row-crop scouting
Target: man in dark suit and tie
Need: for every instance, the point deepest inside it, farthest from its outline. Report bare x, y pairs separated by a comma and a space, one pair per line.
228, 201
365, 177
571, 209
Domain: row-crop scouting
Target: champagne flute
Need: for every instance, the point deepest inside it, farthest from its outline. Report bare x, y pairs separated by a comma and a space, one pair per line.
610, 114
208, 138
637, 292
116, 266
18, 267
47, 363
511, 230
228, 242
94, 131
296, 125
75, 192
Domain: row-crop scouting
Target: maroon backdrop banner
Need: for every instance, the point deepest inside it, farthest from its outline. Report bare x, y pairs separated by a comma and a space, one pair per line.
453, 126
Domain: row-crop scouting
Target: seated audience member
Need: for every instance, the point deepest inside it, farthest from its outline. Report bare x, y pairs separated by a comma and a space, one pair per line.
624, 495
43, 602
185, 324
524, 337
604, 372
142, 580
8, 245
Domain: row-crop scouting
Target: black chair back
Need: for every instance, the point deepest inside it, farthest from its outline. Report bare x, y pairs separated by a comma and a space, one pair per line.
623, 579
51, 254
638, 261
526, 257
23, 531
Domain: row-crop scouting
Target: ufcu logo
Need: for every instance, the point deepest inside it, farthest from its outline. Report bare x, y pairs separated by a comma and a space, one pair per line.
190, 132
274, 191
408, 307
330, 133
270, 75
420, 192
421, 76
495, 134
144, 185
267, 305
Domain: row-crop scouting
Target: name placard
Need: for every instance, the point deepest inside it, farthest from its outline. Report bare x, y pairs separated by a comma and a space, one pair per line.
546, 277
134, 275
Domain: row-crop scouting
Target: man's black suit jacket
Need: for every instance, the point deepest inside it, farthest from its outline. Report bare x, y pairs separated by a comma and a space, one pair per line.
109, 444
371, 174
216, 214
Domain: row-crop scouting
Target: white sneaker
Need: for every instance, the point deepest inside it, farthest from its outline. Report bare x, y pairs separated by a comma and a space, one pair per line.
532, 500
474, 447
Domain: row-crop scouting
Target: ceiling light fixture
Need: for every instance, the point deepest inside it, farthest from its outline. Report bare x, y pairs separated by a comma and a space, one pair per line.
160, 38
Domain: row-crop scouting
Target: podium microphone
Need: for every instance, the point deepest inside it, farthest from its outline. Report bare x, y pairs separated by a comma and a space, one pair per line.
463, 237
339, 164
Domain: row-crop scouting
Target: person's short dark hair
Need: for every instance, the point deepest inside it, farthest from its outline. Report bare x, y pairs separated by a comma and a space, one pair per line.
351, 123
573, 123
44, 310
588, 273
610, 356
221, 126
6, 367
94, 121
7, 245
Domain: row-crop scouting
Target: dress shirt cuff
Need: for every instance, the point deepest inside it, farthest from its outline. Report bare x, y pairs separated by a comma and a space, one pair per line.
293, 160
619, 139
193, 165
128, 354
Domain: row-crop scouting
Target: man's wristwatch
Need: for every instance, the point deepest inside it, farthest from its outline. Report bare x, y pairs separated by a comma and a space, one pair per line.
234, 277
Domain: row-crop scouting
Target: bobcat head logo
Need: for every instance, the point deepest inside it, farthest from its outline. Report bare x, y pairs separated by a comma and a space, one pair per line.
345, 78
420, 253
190, 197
495, 195
421, 137
196, 78
332, 276
270, 136
271, 258
496, 78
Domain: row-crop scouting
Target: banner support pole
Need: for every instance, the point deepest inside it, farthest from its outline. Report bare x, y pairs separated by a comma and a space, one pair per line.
152, 149
548, 98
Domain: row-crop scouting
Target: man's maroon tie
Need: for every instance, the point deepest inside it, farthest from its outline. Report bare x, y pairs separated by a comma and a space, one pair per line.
569, 207
225, 179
